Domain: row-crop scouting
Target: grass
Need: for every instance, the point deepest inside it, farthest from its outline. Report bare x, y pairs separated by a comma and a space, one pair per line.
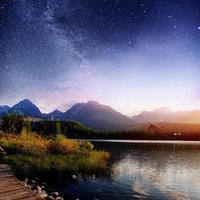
33, 144
51, 159
54, 168
25, 143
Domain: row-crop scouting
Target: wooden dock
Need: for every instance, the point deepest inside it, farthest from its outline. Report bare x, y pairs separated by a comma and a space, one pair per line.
11, 188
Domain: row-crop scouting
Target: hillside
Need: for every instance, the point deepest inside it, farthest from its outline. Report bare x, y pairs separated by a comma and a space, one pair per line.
91, 114
166, 115
98, 116
70, 129
172, 127
26, 108
4, 109
104, 118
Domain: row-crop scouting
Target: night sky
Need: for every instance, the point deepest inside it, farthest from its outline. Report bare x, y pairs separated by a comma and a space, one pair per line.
133, 55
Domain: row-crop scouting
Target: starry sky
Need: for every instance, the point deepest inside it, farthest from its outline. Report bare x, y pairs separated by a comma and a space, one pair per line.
133, 55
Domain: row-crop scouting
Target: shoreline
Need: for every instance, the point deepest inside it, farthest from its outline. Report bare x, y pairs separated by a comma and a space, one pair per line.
42, 189
143, 141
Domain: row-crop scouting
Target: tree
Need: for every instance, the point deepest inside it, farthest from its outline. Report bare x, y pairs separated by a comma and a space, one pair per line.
19, 123
27, 125
12, 123
57, 128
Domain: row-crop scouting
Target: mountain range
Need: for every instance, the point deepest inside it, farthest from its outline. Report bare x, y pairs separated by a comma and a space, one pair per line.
91, 114
4, 109
164, 114
102, 117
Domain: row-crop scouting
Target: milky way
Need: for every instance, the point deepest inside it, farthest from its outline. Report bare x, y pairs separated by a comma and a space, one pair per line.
132, 55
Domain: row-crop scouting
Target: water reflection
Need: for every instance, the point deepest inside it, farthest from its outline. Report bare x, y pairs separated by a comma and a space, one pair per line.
145, 171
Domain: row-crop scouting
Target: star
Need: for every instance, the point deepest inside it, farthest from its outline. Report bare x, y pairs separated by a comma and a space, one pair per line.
122, 40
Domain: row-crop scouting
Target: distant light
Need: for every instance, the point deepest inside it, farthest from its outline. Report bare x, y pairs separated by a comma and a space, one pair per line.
199, 28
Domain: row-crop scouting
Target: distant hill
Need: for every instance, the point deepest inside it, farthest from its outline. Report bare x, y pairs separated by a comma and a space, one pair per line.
190, 117
70, 129
56, 115
166, 115
98, 116
170, 127
154, 129
91, 114
102, 117
4, 109
159, 115
26, 108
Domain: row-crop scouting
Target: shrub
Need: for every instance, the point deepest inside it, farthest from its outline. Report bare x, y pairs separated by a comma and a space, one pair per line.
33, 155
86, 146
25, 143
61, 145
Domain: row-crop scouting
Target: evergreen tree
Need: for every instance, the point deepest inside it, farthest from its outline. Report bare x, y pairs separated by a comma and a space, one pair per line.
12, 123
57, 128
27, 125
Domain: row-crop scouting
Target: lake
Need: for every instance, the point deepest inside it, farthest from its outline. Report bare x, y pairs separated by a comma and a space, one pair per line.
144, 170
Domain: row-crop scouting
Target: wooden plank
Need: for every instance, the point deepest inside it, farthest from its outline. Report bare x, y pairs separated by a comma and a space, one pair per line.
11, 188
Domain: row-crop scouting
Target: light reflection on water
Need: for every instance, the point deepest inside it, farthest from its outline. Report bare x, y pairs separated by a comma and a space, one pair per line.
145, 171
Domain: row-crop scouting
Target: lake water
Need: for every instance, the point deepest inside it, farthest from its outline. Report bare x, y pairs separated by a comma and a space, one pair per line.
144, 170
